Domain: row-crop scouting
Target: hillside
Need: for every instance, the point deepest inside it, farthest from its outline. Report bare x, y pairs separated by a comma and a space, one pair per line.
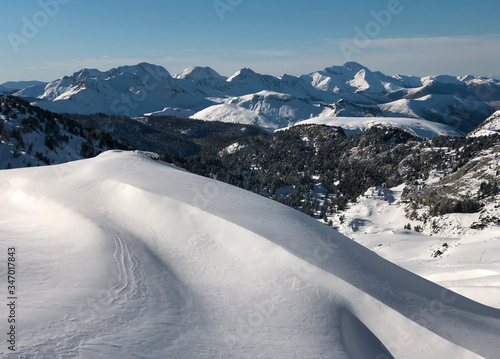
490, 126
318, 169
418, 127
30, 136
123, 256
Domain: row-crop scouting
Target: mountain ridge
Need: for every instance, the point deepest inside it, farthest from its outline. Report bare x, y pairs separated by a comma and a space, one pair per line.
463, 101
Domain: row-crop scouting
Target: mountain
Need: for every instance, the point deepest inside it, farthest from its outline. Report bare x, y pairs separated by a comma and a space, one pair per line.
345, 108
19, 85
264, 108
461, 114
461, 102
126, 90
137, 258
353, 78
353, 90
466, 87
31, 136
489, 127
197, 73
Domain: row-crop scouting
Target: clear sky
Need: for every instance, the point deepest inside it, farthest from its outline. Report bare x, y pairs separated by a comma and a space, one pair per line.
47, 39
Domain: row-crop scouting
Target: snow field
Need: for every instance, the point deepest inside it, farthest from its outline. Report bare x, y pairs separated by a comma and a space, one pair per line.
121, 256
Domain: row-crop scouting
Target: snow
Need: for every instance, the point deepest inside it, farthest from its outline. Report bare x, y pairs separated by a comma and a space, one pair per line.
469, 264
126, 90
454, 111
232, 114
489, 127
353, 78
235, 147
264, 108
418, 127
444, 79
121, 256
11, 155
197, 73
172, 111
145, 88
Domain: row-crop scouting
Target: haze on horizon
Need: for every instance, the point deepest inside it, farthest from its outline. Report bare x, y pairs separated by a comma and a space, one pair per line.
47, 39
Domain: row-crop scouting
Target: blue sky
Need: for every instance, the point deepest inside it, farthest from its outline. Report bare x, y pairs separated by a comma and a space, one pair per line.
416, 37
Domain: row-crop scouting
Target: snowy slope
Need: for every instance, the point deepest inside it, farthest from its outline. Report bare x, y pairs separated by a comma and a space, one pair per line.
461, 114
199, 73
205, 79
31, 137
123, 257
353, 78
246, 81
418, 127
468, 263
265, 108
344, 108
489, 127
127, 90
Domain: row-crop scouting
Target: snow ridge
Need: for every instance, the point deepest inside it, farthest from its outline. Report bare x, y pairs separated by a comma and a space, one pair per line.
489, 127
185, 264
421, 128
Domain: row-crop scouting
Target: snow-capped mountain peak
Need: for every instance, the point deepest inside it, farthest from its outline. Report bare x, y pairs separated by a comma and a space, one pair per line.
354, 66
140, 69
242, 74
197, 73
464, 102
126, 90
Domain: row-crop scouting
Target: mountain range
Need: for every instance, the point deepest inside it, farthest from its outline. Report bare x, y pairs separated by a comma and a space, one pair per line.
14, 86
351, 90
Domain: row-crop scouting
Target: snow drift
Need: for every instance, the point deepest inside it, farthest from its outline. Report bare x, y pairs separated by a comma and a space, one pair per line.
122, 256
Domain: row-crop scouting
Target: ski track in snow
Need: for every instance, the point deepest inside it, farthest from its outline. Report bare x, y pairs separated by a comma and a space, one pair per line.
91, 320
129, 302
128, 271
